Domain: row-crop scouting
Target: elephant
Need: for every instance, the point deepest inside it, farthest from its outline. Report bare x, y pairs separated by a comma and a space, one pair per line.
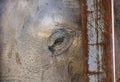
41, 41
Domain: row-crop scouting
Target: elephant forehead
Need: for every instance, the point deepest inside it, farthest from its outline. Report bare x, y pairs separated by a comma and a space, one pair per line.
52, 14
57, 3
57, 10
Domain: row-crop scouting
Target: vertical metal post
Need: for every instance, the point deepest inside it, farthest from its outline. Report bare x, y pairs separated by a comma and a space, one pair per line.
98, 40
113, 40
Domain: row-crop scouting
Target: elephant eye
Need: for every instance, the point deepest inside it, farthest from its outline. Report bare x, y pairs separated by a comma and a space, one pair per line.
60, 41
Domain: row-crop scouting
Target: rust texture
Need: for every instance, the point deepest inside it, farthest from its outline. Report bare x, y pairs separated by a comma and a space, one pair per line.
97, 40
108, 42
85, 40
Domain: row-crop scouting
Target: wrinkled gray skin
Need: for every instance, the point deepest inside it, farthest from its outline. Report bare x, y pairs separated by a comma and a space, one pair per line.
26, 27
117, 37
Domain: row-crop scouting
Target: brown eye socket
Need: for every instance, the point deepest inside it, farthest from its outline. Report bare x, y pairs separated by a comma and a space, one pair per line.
60, 41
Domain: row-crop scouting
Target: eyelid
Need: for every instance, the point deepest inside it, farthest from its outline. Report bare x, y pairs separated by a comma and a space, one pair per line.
68, 30
56, 34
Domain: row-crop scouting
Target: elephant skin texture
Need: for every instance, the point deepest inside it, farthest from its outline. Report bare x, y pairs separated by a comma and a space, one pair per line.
40, 41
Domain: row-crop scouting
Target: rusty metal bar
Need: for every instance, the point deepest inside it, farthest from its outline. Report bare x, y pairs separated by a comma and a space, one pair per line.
85, 39
98, 42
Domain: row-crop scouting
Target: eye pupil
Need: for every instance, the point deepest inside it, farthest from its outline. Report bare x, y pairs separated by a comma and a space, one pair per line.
59, 40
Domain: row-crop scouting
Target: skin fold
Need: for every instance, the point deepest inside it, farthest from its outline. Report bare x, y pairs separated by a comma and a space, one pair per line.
40, 41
